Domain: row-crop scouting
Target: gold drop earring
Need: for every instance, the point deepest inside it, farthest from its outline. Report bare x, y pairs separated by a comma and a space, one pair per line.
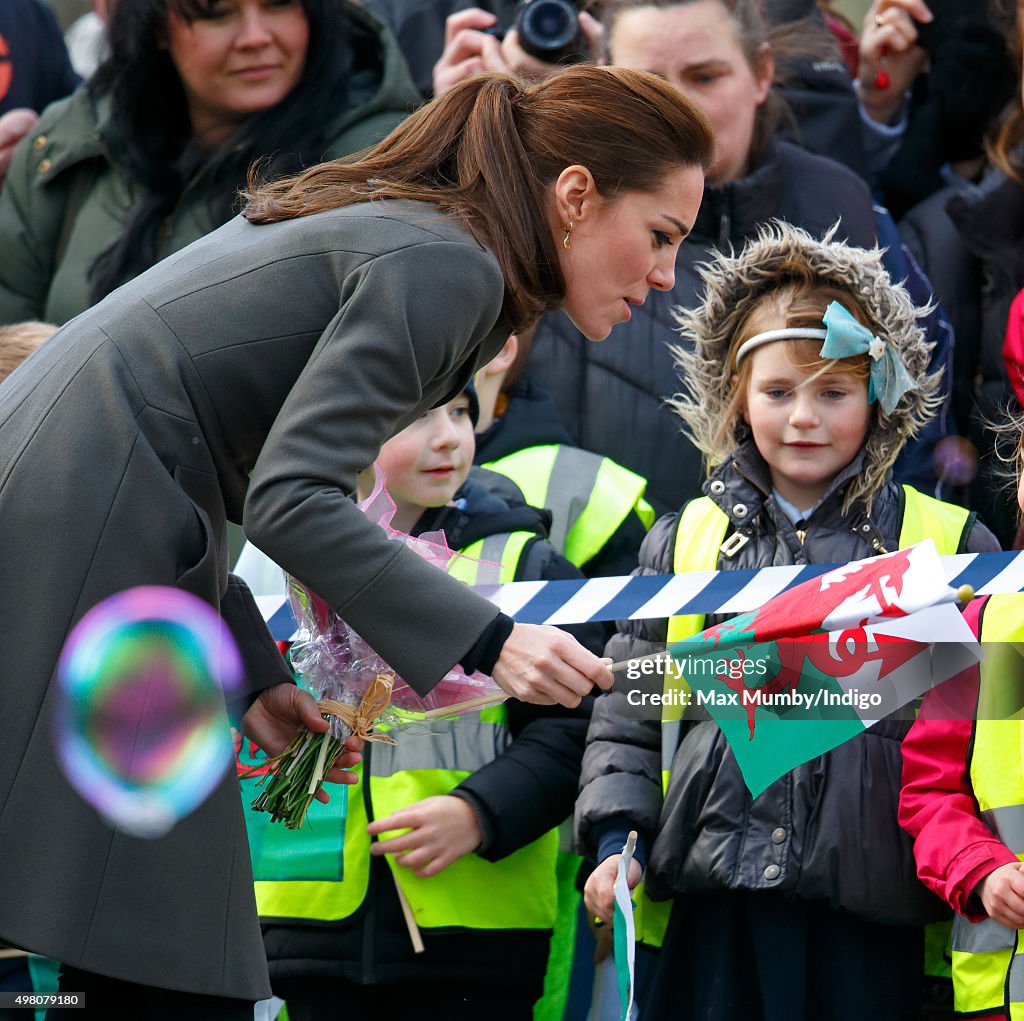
568, 232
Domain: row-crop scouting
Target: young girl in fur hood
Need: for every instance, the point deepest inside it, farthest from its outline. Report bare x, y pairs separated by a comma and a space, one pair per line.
804, 372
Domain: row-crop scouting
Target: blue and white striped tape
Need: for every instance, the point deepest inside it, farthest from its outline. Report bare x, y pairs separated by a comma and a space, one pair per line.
666, 595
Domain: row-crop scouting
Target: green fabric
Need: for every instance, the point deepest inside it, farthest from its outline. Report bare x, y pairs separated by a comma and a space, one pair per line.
551, 1005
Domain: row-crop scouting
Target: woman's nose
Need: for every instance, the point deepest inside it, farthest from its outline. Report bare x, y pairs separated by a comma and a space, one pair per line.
254, 29
663, 276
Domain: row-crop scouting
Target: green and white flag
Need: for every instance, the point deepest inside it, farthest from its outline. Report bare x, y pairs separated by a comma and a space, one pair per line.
823, 661
623, 930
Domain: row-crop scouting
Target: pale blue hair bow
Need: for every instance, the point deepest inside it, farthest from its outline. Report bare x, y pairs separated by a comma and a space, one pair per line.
845, 337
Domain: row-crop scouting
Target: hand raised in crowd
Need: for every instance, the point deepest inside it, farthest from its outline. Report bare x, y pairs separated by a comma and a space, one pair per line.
278, 714
469, 49
1002, 894
543, 665
14, 126
441, 830
599, 891
890, 55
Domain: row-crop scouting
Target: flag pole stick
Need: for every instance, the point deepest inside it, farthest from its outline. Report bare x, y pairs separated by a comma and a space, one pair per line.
410, 920
469, 704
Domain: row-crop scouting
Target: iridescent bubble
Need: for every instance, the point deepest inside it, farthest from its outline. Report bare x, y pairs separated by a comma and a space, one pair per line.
955, 460
141, 727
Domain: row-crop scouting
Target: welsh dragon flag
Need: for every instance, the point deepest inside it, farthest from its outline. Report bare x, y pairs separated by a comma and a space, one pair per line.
821, 662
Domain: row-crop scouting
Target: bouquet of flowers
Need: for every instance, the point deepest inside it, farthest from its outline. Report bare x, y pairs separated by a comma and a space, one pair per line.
357, 691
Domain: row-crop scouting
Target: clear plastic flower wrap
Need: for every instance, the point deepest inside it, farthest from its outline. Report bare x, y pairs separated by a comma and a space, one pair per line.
356, 689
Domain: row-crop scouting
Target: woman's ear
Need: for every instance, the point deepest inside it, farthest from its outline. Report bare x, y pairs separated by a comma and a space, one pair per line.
575, 190
764, 72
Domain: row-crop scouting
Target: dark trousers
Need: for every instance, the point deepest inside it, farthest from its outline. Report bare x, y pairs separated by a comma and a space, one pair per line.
328, 999
738, 956
115, 998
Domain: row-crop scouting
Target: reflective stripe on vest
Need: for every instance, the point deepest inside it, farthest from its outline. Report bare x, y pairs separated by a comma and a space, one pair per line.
699, 535
498, 557
419, 766
988, 962
590, 498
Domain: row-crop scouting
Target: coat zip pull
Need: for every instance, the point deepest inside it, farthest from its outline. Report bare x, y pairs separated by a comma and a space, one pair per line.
724, 229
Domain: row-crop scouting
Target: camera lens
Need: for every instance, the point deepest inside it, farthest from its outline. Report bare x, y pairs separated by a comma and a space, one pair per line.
547, 27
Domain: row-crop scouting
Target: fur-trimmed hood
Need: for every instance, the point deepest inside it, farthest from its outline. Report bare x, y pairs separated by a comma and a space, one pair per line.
734, 283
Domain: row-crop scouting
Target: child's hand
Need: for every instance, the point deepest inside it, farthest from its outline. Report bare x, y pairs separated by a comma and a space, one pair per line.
441, 830
599, 893
1002, 894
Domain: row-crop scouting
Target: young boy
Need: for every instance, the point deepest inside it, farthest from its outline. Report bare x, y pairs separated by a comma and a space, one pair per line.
477, 802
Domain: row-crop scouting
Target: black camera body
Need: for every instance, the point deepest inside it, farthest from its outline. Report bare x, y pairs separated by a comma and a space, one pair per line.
549, 30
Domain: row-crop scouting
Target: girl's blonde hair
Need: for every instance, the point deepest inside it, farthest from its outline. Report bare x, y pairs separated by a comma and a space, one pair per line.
20, 340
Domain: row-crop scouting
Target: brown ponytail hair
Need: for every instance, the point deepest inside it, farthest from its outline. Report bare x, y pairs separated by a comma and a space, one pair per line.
488, 151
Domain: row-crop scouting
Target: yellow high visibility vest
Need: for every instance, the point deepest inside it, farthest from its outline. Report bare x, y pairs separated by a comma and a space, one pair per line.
589, 496
417, 767
699, 536
988, 958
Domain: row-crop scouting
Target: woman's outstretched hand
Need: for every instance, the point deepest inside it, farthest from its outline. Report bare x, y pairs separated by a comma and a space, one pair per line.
278, 715
543, 665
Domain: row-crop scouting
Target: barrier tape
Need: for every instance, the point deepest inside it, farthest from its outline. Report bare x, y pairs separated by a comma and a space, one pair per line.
668, 595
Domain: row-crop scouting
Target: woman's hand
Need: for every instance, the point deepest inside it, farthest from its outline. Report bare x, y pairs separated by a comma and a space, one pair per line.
468, 49
280, 713
1002, 894
543, 665
441, 830
888, 43
599, 892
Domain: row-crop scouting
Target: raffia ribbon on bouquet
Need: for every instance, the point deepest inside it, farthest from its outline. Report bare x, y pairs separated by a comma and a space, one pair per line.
362, 718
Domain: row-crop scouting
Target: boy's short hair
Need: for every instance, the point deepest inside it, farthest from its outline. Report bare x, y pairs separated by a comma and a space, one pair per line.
17, 342
474, 403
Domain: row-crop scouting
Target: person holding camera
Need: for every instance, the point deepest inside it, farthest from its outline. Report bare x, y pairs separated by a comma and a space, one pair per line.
543, 35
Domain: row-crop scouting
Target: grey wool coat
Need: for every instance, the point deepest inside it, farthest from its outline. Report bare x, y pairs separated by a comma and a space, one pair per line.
289, 351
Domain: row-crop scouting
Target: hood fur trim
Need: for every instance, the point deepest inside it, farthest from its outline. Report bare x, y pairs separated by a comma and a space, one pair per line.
734, 283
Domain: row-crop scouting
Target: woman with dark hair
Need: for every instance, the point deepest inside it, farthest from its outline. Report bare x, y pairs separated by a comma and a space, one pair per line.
252, 376
149, 154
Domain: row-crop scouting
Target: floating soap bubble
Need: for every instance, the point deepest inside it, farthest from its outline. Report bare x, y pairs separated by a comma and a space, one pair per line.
955, 460
141, 728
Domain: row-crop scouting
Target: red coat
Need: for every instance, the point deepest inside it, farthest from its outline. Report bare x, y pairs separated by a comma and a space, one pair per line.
953, 848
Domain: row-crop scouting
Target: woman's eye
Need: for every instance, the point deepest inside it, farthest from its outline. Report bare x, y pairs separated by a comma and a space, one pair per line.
214, 11
661, 239
776, 393
835, 395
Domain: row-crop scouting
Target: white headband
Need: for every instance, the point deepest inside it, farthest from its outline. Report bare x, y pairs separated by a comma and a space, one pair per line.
792, 333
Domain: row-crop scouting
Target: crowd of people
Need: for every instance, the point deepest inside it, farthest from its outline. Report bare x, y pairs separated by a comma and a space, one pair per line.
251, 248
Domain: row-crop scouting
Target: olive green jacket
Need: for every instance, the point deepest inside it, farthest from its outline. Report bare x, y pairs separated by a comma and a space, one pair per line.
66, 199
